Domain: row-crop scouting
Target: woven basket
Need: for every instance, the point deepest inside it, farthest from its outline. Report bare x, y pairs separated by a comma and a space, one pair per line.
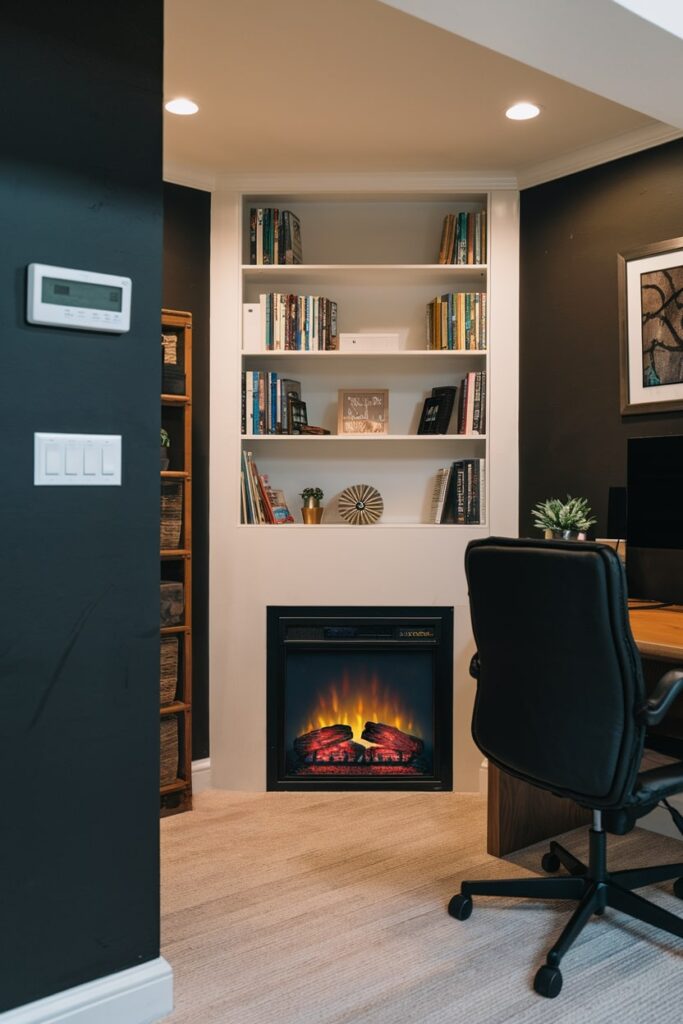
169, 750
169, 669
172, 602
171, 514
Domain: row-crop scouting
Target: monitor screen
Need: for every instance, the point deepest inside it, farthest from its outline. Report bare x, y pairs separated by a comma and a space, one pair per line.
654, 518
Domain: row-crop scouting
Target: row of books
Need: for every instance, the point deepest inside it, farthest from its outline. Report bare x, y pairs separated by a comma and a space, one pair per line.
457, 321
298, 323
472, 404
274, 237
266, 402
261, 503
463, 238
459, 494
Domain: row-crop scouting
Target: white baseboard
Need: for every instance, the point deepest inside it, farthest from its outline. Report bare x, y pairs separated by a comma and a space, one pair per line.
201, 775
661, 821
139, 995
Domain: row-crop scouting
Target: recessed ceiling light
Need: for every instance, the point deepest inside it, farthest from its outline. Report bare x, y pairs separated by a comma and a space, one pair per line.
522, 111
181, 105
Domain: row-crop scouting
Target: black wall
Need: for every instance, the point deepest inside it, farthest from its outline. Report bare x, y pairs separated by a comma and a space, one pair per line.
187, 253
572, 435
80, 186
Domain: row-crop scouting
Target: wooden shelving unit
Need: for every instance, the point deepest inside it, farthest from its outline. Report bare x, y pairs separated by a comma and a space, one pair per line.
176, 564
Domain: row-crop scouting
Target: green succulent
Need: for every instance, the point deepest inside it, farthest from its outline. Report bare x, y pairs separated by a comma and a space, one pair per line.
165, 439
312, 492
572, 514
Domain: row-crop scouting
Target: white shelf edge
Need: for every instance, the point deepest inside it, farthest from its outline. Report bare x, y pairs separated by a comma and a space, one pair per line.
301, 268
363, 437
430, 353
369, 526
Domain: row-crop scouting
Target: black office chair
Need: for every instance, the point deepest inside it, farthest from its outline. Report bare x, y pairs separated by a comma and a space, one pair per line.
561, 704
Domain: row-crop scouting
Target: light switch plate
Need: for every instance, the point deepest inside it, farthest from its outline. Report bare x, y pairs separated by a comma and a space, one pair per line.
77, 460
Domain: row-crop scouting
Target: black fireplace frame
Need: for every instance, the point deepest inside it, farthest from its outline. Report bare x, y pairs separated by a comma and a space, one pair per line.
427, 628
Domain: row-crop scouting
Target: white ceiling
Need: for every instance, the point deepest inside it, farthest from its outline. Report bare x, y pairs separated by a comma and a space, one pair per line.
356, 85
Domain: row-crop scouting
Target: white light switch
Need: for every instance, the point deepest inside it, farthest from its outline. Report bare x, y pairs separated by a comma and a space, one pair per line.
77, 459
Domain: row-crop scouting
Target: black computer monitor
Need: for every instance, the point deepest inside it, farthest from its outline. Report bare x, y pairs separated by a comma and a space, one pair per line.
654, 518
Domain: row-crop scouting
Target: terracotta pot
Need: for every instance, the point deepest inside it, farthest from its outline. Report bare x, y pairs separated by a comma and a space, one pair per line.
165, 457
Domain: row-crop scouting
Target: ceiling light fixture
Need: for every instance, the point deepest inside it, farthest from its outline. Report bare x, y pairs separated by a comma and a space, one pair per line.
522, 111
182, 106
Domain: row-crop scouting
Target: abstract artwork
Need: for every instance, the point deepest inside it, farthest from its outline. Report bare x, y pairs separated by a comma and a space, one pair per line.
651, 323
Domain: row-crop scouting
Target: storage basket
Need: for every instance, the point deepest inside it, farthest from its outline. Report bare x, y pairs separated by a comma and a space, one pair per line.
168, 669
169, 750
172, 603
171, 514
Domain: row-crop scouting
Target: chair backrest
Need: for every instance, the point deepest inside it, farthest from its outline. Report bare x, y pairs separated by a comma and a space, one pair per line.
559, 673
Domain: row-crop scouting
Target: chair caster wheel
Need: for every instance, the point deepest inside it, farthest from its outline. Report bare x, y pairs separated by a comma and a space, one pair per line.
551, 863
460, 907
678, 888
548, 981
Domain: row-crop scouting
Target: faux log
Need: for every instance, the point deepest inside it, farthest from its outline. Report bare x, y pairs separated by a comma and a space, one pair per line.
385, 755
389, 736
319, 739
349, 752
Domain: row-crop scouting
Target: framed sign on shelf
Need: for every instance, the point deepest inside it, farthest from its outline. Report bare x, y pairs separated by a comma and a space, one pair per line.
363, 411
651, 327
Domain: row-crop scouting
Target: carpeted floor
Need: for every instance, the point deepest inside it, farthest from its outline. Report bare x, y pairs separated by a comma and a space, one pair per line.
301, 908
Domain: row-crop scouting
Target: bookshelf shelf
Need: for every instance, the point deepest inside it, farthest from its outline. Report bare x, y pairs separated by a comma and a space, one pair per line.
363, 438
420, 353
301, 274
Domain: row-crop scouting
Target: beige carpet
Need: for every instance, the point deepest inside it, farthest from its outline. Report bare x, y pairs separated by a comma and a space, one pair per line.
331, 909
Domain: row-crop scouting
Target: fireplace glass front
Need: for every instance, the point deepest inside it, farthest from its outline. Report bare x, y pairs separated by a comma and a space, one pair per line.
359, 697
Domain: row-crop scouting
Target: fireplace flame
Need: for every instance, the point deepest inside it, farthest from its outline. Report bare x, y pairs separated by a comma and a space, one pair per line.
354, 704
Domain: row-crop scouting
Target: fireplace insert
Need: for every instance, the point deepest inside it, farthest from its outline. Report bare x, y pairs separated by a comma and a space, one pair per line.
360, 698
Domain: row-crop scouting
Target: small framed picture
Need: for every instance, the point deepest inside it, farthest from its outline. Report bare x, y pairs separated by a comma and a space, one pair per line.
429, 419
363, 411
650, 327
297, 416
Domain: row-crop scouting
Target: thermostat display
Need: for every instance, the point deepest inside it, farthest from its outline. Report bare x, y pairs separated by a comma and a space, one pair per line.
81, 299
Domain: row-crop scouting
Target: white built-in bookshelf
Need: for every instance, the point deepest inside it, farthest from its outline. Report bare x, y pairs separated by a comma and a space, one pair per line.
375, 256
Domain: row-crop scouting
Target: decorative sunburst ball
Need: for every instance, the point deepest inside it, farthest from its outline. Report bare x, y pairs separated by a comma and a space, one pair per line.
360, 505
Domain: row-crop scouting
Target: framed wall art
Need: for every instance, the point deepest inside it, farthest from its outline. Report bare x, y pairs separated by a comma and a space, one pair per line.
651, 327
363, 411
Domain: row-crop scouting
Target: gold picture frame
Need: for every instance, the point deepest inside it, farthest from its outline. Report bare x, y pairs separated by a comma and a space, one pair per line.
363, 411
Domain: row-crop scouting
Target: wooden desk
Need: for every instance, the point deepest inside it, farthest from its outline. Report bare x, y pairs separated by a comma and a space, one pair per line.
519, 814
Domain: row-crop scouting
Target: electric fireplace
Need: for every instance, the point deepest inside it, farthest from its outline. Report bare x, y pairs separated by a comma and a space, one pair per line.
360, 698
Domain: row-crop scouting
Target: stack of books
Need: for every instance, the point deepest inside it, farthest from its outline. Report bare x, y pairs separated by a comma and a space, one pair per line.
261, 503
265, 402
472, 404
274, 237
437, 410
298, 323
463, 238
459, 494
457, 321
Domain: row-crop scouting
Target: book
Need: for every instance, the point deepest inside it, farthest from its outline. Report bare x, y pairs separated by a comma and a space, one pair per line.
447, 395
439, 494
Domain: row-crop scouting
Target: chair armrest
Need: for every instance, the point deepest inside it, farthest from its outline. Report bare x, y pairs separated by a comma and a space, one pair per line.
669, 687
474, 666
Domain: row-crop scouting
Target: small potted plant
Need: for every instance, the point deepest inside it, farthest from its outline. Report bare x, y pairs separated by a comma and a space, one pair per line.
563, 520
312, 511
165, 449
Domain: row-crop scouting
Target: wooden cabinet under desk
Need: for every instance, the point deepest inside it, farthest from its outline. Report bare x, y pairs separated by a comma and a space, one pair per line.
520, 814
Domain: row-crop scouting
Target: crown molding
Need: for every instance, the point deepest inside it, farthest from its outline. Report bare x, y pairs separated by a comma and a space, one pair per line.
189, 175
600, 153
382, 182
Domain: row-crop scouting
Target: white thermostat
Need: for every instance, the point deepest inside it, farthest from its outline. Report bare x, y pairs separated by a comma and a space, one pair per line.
61, 297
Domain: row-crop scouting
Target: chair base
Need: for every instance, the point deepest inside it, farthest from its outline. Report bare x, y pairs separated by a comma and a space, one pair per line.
591, 886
